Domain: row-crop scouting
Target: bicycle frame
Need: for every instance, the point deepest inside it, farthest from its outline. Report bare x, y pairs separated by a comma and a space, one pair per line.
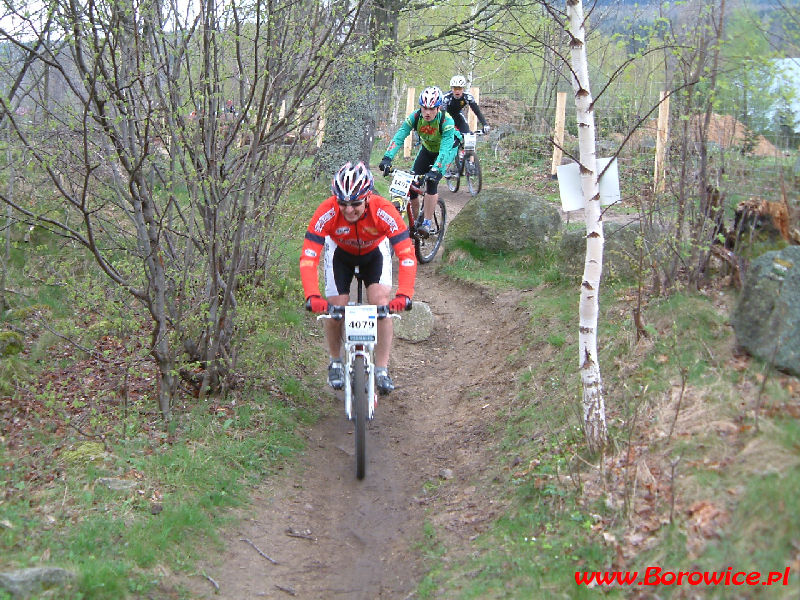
465, 155
359, 338
402, 187
468, 145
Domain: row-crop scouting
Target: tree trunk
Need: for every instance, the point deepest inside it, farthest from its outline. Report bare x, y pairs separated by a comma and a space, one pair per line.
594, 417
350, 124
383, 27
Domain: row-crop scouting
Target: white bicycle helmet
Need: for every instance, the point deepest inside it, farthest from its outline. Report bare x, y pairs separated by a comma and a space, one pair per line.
431, 97
458, 81
352, 183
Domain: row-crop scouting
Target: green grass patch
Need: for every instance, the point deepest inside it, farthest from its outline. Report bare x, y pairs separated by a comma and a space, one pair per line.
175, 507
467, 261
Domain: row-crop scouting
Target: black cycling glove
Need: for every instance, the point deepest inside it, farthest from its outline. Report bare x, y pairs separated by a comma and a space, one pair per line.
433, 175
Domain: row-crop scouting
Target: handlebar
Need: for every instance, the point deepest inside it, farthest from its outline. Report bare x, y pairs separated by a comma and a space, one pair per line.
336, 312
391, 170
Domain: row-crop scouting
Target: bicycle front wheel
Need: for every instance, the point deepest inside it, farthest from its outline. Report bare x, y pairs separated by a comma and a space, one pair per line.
453, 175
360, 408
473, 172
426, 249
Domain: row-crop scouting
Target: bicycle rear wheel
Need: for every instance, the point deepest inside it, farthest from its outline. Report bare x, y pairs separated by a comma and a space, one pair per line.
426, 249
360, 408
473, 173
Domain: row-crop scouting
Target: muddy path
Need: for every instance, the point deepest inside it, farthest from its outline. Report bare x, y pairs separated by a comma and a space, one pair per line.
316, 532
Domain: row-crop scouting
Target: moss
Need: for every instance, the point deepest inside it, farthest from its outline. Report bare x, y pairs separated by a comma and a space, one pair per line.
83, 453
10, 343
25, 312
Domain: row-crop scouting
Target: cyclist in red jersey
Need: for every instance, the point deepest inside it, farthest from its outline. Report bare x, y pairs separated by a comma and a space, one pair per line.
353, 227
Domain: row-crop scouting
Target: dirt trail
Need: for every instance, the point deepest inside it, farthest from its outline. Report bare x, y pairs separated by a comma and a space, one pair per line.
334, 537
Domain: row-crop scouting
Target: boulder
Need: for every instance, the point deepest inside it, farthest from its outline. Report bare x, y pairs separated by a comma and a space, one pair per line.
27, 583
620, 254
766, 319
415, 325
504, 220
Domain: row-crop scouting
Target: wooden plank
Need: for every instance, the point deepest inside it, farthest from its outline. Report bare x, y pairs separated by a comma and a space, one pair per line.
411, 99
558, 134
321, 124
662, 136
472, 120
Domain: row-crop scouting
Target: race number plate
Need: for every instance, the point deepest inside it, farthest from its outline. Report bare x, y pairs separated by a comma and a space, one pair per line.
470, 139
361, 323
400, 183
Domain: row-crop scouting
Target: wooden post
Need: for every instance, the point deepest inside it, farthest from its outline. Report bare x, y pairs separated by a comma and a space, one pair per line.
472, 120
662, 135
558, 135
321, 124
410, 100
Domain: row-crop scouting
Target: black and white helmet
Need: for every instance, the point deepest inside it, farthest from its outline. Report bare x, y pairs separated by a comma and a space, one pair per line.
458, 81
352, 183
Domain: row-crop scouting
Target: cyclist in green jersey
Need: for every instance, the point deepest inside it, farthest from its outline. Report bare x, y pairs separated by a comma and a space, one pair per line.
439, 137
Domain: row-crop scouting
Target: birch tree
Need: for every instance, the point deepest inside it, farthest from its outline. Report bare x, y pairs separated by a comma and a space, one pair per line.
594, 414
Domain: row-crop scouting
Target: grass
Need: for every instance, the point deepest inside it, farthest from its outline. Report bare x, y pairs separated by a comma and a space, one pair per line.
721, 495
57, 509
466, 261
115, 539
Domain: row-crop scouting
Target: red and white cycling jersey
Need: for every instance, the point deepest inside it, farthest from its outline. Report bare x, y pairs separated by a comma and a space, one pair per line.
380, 220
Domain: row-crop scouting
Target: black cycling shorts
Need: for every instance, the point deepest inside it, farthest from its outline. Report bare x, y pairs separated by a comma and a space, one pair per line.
374, 266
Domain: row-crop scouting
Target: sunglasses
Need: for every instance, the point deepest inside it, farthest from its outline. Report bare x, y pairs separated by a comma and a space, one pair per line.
353, 203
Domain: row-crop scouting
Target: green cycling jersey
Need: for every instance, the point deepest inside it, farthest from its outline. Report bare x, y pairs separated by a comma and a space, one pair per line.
437, 136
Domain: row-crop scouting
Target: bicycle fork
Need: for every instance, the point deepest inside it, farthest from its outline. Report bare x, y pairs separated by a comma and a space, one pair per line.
351, 355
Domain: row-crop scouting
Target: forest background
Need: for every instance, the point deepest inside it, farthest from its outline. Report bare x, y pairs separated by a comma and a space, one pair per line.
155, 158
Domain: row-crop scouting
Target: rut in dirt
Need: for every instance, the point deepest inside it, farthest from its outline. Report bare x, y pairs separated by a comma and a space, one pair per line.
315, 531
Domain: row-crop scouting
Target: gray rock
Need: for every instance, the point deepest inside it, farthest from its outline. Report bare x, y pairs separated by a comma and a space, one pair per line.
415, 325
767, 317
504, 220
117, 485
25, 583
620, 254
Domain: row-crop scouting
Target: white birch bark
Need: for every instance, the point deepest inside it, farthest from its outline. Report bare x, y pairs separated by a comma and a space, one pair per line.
594, 414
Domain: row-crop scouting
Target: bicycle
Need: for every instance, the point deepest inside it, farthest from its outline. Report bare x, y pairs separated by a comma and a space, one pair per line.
360, 333
404, 185
465, 163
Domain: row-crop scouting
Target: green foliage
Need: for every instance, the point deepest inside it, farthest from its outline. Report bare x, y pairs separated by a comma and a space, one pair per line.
185, 478
120, 534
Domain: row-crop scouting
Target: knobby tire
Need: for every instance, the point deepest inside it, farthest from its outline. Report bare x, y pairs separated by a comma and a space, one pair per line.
426, 249
360, 408
454, 180
474, 181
